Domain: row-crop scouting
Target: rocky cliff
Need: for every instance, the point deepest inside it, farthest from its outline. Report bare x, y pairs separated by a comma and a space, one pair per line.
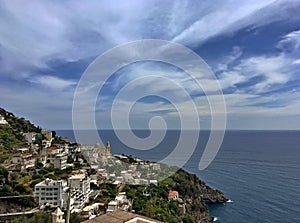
196, 195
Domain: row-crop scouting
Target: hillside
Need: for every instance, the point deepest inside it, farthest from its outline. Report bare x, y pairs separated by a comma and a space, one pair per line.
11, 133
152, 200
148, 200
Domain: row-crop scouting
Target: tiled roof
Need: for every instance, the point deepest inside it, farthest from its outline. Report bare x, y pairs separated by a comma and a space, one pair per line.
52, 148
26, 155
118, 217
173, 193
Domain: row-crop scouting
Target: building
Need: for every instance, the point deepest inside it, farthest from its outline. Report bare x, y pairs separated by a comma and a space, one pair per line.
120, 203
25, 160
28, 161
53, 192
90, 211
121, 217
59, 161
80, 185
102, 151
108, 148
3, 121
112, 206
30, 137
51, 151
173, 195
58, 216
47, 134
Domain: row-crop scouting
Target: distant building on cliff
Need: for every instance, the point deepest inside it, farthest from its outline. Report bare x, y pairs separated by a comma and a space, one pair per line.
103, 151
173, 195
3, 121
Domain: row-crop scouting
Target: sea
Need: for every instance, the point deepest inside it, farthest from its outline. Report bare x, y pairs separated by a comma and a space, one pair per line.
258, 171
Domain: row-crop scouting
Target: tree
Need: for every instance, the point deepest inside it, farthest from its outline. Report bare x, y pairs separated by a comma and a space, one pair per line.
20, 188
3, 175
41, 216
75, 218
70, 159
53, 134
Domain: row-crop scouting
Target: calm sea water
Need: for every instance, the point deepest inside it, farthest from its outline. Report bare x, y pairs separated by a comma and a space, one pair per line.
259, 171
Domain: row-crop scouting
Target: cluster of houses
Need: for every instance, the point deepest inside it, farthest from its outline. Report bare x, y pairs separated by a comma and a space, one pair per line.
34, 154
75, 191
117, 169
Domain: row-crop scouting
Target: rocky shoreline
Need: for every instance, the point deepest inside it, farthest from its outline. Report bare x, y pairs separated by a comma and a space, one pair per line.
197, 197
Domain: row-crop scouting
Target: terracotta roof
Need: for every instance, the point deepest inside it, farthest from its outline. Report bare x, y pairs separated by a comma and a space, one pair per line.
173, 193
118, 217
52, 148
26, 155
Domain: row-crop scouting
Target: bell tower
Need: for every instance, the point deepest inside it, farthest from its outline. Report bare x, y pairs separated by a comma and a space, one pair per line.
108, 148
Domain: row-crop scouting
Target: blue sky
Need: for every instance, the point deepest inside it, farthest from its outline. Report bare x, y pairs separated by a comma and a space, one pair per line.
253, 47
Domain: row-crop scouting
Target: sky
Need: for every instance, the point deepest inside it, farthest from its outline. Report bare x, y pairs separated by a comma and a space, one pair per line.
253, 48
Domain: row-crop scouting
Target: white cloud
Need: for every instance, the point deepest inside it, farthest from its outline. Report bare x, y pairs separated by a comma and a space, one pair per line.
35, 33
290, 42
296, 61
222, 20
273, 69
227, 60
52, 82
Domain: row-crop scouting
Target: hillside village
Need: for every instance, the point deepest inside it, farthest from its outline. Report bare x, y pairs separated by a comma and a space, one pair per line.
65, 178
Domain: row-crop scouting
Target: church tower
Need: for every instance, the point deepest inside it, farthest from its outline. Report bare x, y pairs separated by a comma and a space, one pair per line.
108, 148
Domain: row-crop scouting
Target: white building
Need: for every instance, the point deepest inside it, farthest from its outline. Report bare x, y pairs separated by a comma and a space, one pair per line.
120, 203
3, 121
90, 212
59, 161
58, 216
80, 185
53, 192
112, 206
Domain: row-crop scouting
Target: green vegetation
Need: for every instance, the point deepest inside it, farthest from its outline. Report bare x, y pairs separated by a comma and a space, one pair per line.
20, 124
59, 140
152, 200
42, 217
11, 135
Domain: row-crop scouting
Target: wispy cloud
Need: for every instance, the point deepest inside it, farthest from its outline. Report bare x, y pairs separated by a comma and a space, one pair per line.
222, 20
37, 34
52, 82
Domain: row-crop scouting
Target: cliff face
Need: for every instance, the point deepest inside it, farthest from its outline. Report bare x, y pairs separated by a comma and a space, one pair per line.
196, 195
191, 206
